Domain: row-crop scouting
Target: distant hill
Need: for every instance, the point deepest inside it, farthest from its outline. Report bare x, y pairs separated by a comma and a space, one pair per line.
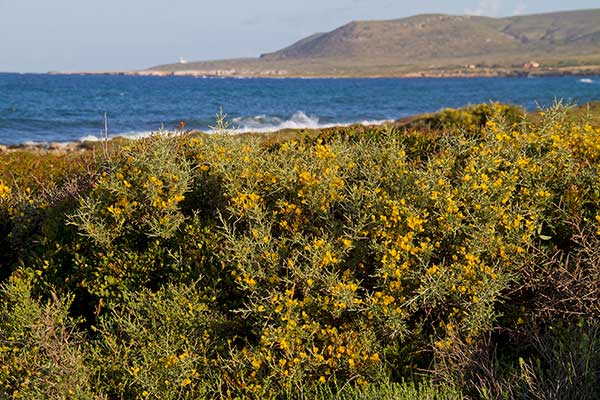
428, 45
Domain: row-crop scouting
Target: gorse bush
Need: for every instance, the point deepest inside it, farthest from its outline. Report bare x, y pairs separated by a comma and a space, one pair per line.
137, 194
41, 349
470, 119
35, 193
207, 266
161, 344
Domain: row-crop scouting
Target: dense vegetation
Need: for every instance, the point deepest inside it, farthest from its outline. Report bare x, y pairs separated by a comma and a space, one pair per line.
457, 260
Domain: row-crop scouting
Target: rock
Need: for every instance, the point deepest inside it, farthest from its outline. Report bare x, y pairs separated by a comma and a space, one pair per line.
26, 147
55, 146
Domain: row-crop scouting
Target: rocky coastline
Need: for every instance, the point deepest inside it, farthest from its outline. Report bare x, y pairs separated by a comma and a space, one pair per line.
438, 73
53, 147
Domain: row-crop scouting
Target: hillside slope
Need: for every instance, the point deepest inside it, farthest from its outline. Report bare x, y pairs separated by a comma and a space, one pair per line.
432, 42
428, 37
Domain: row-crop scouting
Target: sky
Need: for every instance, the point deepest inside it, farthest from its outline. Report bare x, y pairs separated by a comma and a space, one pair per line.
101, 35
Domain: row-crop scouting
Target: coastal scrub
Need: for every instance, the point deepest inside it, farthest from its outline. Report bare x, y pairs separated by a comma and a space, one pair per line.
460, 260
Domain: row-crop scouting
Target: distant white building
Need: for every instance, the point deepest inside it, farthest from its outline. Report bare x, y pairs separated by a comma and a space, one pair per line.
531, 65
182, 60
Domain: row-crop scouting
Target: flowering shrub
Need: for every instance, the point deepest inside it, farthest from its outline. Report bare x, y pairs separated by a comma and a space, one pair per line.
40, 348
138, 194
218, 265
470, 119
160, 345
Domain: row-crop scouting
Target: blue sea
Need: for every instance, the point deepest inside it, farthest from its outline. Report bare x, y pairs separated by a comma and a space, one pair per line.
64, 108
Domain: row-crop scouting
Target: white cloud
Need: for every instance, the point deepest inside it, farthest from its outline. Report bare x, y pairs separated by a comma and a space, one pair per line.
520, 8
489, 8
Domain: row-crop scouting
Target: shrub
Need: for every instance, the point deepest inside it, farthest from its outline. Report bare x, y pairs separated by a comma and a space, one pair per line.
331, 263
138, 195
41, 349
165, 344
470, 119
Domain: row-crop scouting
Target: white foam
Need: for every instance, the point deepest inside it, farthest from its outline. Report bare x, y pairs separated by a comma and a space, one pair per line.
300, 120
586, 80
128, 135
256, 124
33, 143
141, 135
375, 122
89, 138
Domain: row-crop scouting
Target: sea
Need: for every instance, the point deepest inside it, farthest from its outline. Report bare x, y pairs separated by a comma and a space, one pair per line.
42, 108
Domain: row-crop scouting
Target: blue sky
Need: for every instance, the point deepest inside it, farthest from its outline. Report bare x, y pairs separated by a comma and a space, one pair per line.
71, 35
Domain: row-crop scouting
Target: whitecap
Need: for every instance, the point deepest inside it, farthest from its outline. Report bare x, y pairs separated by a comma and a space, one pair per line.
89, 138
127, 135
299, 120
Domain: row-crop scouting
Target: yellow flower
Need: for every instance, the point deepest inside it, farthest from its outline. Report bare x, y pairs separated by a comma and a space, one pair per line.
329, 259
324, 152
186, 382
4, 191
256, 363
247, 201
169, 360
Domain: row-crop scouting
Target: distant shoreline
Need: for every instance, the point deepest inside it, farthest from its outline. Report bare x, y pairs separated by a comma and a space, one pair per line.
458, 73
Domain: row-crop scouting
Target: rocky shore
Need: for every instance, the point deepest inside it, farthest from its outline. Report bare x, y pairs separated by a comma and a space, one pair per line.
53, 147
479, 72
193, 73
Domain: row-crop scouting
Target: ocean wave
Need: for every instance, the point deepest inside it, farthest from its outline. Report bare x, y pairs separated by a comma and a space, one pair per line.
128, 135
300, 120
256, 124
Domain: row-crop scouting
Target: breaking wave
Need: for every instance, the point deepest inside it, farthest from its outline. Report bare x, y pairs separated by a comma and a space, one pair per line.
256, 124
128, 135
300, 120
